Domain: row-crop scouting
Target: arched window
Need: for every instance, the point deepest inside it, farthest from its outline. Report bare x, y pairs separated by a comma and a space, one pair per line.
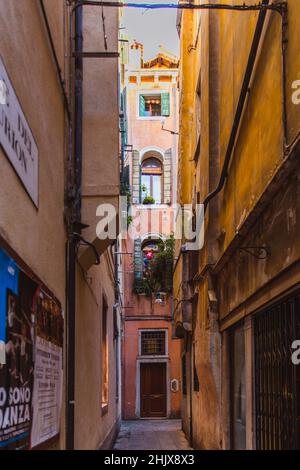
152, 179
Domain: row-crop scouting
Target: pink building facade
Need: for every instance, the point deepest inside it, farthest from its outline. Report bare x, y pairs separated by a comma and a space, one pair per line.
150, 354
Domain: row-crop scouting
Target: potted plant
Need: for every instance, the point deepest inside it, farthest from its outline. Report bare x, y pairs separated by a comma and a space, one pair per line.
148, 200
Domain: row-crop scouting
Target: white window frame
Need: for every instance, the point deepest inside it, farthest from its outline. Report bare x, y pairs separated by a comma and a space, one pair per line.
147, 93
153, 356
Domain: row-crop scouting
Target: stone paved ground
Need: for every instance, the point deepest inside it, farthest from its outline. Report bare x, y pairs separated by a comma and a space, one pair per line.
146, 434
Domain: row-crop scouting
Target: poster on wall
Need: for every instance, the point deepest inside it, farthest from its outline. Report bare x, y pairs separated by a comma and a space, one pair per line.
47, 390
31, 340
16, 361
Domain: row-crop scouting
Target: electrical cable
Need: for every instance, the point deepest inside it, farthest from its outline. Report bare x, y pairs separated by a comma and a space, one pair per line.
182, 6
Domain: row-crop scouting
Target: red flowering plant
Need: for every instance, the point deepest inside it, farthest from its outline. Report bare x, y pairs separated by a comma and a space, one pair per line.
158, 268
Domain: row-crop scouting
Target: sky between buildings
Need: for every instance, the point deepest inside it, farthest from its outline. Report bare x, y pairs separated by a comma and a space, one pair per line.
153, 28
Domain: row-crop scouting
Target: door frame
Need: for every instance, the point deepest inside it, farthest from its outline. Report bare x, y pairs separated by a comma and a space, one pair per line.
152, 360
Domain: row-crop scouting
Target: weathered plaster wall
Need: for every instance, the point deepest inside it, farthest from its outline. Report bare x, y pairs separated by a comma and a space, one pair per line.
198, 65
258, 154
37, 235
91, 427
244, 283
100, 165
279, 229
100, 185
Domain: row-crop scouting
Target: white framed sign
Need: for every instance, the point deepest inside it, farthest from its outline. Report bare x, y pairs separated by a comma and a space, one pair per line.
16, 137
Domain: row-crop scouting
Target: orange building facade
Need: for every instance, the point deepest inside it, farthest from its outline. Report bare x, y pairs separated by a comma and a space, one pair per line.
150, 353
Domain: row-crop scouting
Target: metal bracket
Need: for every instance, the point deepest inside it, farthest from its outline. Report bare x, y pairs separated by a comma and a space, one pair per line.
280, 8
167, 130
258, 252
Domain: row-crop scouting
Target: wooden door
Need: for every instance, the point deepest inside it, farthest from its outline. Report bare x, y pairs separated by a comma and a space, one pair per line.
153, 390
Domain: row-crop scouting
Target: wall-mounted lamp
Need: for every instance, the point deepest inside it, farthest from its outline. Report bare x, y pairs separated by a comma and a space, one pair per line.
82, 241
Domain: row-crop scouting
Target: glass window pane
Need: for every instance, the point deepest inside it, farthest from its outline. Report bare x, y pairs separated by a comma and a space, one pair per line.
146, 186
153, 343
151, 163
152, 105
156, 188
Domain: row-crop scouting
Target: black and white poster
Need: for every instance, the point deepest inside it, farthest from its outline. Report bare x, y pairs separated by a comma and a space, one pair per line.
47, 391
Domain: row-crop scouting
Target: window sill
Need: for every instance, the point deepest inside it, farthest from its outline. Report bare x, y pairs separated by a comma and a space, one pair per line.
153, 356
151, 206
104, 409
150, 118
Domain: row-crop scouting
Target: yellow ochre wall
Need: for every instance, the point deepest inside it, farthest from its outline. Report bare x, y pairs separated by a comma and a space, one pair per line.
220, 58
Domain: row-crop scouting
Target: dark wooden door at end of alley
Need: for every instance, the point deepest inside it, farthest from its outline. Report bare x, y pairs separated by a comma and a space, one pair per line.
153, 390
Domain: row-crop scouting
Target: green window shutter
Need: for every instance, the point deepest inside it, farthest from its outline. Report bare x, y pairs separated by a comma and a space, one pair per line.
165, 104
124, 107
124, 53
125, 180
138, 266
141, 105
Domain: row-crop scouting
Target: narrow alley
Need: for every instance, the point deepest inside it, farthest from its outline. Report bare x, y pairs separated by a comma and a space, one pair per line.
148, 434
149, 227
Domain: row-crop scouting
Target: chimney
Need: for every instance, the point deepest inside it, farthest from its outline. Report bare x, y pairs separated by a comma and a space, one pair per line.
136, 54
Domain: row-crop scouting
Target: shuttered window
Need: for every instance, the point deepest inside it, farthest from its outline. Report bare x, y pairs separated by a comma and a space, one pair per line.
138, 266
151, 105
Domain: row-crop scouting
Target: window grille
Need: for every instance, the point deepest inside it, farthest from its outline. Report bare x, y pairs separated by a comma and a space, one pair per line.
277, 379
153, 343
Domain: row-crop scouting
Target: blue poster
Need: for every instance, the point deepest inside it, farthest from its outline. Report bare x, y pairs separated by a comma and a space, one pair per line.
9, 279
17, 293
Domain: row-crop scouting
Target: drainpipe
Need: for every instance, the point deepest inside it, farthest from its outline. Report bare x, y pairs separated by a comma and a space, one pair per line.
76, 228
240, 107
78, 111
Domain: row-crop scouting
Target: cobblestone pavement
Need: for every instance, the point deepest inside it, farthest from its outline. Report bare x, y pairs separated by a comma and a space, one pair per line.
144, 434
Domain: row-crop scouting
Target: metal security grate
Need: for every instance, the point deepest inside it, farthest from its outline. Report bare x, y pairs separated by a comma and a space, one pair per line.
153, 343
277, 380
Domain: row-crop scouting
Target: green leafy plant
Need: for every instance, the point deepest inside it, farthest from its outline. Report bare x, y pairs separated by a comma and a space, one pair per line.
148, 200
160, 269
125, 191
129, 220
